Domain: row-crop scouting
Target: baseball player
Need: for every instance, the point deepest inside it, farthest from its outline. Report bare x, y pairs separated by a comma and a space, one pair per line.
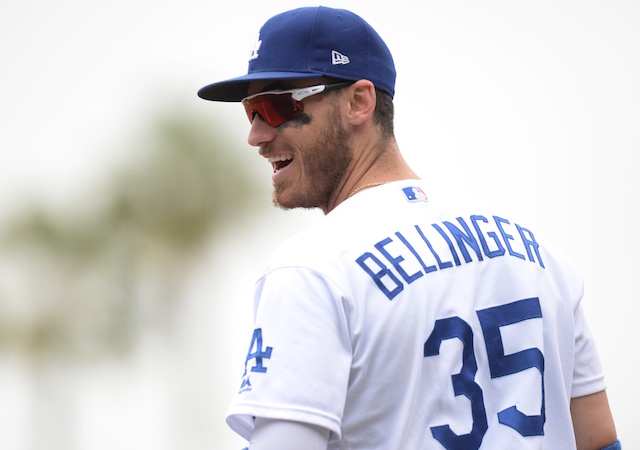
397, 322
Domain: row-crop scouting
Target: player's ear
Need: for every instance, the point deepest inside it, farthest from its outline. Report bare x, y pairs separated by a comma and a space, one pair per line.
362, 102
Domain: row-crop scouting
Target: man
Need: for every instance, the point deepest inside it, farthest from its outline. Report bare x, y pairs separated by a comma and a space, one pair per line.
396, 322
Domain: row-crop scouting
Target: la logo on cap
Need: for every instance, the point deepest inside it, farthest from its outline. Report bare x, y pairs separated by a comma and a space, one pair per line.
256, 47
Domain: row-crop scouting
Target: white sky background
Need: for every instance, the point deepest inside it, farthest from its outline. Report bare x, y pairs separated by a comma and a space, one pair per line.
534, 105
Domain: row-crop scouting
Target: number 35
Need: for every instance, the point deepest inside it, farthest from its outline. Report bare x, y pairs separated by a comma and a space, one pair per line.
500, 365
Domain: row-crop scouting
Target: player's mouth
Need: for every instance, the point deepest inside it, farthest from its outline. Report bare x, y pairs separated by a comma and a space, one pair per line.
280, 162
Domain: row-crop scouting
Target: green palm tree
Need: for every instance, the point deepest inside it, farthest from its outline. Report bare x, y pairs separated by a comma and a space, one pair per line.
82, 272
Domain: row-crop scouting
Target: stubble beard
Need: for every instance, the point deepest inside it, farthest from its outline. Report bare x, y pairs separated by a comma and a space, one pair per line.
326, 162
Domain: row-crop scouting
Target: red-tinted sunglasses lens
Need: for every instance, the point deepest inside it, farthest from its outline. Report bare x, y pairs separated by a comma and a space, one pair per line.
275, 109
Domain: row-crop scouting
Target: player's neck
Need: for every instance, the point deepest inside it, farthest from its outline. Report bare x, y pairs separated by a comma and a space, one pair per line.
374, 168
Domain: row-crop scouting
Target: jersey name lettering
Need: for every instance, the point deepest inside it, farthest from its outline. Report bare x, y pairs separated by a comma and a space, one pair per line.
476, 237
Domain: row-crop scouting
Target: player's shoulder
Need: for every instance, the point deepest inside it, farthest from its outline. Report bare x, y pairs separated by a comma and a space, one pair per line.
312, 247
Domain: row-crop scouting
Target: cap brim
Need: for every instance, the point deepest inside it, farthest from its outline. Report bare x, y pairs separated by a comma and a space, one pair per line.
235, 89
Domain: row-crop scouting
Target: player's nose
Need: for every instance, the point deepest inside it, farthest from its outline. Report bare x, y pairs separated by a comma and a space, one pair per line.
260, 132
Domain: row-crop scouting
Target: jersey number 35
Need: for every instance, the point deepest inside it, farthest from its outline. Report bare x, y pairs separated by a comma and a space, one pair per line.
500, 365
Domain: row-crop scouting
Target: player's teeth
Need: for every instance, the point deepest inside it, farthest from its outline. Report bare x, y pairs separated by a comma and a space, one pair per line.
274, 159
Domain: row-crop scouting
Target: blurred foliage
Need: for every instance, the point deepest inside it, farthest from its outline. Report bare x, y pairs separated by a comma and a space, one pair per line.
82, 282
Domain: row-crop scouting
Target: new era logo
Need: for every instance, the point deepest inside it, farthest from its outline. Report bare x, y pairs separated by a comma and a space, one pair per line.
339, 58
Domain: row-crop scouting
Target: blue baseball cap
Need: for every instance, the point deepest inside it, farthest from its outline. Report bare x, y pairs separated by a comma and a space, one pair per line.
312, 42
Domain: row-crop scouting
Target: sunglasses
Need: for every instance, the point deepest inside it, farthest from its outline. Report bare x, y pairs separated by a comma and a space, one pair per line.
278, 107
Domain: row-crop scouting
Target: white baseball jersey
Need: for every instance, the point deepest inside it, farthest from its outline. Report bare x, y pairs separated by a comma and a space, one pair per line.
397, 323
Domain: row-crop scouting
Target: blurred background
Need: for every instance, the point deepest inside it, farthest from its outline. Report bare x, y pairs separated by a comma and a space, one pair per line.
134, 216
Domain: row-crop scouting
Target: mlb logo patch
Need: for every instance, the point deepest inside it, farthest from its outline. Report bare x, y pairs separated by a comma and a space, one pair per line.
414, 194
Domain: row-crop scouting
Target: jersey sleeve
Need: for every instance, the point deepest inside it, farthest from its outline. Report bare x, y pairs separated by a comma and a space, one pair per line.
297, 366
588, 377
585, 368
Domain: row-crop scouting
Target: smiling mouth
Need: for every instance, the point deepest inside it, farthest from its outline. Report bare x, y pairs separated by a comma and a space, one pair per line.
280, 162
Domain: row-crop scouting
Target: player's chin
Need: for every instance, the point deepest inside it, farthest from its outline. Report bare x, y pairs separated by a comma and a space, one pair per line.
284, 201
292, 196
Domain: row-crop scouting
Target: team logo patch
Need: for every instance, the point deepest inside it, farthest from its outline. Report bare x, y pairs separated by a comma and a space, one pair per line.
414, 194
257, 354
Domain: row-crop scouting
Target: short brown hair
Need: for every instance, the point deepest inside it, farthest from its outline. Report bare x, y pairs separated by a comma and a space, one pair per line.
383, 114
384, 111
